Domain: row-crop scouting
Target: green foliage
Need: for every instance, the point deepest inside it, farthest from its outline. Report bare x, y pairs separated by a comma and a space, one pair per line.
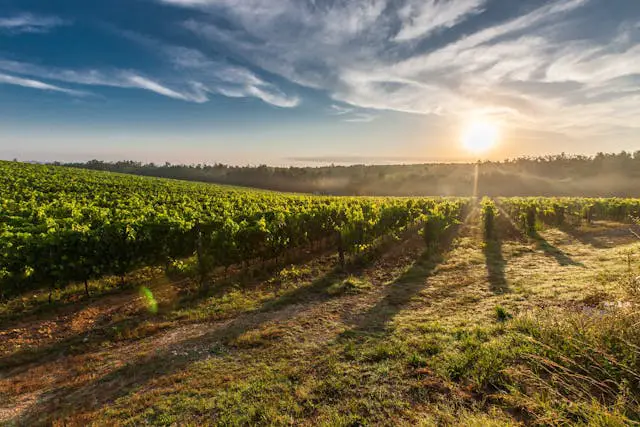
530, 220
438, 221
557, 211
489, 214
62, 225
480, 357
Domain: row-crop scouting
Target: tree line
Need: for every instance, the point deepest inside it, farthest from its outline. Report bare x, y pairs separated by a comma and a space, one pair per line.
602, 175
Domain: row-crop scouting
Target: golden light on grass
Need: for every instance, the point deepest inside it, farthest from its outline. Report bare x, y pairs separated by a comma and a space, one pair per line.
480, 136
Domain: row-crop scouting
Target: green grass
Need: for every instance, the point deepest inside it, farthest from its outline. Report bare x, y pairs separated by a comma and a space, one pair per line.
350, 285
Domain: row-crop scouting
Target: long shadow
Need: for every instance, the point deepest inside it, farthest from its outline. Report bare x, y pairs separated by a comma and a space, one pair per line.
173, 358
76, 344
45, 311
90, 339
594, 237
553, 251
118, 383
495, 266
585, 237
506, 229
219, 284
406, 287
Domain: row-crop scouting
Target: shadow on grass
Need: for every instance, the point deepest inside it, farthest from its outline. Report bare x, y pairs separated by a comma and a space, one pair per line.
72, 302
74, 299
553, 251
119, 331
130, 329
165, 361
406, 287
125, 330
586, 237
176, 356
495, 266
601, 235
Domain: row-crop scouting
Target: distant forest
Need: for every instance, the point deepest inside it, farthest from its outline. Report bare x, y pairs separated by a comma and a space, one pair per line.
604, 175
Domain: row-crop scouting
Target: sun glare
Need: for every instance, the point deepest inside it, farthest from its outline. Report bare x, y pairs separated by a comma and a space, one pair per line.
480, 136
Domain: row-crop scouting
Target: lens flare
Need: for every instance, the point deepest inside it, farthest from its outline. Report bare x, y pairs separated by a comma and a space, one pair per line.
149, 299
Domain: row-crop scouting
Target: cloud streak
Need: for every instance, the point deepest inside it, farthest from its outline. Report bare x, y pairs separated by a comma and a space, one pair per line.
226, 79
208, 78
113, 78
36, 84
29, 23
198, 94
420, 18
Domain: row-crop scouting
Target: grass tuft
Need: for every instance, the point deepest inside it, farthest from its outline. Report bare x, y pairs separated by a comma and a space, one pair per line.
351, 285
502, 314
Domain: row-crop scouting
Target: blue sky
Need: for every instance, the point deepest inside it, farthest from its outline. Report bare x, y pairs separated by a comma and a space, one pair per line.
295, 81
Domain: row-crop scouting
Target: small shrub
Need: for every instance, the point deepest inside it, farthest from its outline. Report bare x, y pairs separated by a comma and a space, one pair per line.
560, 214
432, 230
489, 214
502, 314
530, 220
429, 347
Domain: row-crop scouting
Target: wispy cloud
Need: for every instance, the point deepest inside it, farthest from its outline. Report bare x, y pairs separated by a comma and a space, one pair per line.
36, 84
196, 95
350, 114
112, 78
211, 76
360, 118
535, 67
193, 76
339, 110
226, 79
217, 78
422, 17
29, 23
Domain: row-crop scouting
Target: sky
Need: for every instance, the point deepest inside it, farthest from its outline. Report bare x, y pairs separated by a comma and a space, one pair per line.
285, 82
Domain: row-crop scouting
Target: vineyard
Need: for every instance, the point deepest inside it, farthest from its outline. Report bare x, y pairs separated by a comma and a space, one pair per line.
60, 225
293, 309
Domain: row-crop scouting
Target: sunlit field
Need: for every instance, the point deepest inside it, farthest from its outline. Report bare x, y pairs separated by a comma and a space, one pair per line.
129, 301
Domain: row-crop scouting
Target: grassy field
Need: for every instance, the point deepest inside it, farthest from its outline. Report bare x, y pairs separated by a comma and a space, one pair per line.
513, 331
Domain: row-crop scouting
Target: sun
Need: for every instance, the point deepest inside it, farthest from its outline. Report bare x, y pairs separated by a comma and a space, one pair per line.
480, 136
